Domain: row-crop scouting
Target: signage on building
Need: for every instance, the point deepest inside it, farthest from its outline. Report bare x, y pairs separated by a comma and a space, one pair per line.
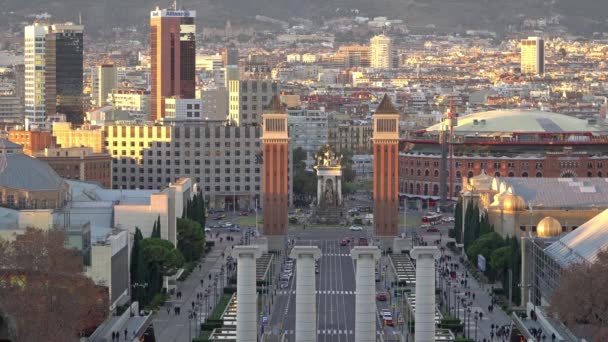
171, 13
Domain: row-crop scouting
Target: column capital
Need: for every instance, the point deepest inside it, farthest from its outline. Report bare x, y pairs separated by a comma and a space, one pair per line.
298, 251
239, 251
360, 251
425, 252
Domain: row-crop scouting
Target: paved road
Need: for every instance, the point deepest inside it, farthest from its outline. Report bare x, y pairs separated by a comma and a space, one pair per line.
335, 288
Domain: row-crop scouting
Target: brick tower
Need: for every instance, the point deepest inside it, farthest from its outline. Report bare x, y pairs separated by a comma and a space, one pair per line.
386, 171
275, 186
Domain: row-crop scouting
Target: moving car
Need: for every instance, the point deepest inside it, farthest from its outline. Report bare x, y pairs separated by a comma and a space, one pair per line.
432, 230
356, 228
234, 229
207, 230
284, 284
381, 296
387, 318
243, 213
344, 242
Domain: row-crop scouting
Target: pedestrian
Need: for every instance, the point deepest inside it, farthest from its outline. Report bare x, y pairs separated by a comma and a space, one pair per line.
125, 334
193, 304
175, 310
113, 335
202, 281
168, 310
473, 296
200, 267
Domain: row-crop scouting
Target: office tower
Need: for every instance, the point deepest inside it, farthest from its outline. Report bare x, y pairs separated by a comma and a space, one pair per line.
36, 97
173, 56
104, 82
533, 56
381, 52
20, 84
230, 55
248, 98
53, 72
65, 58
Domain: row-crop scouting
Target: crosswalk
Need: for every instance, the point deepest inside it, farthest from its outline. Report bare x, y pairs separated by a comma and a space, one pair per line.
320, 292
336, 254
324, 332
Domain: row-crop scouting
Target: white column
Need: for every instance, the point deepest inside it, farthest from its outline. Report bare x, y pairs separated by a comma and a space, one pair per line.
246, 293
319, 188
306, 300
425, 292
339, 190
365, 300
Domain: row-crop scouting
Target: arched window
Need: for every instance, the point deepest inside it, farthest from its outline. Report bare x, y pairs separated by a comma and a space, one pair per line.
411, 172
599, 173
418, 172
458, 188
524, 174
511, 174
436, 173
435, 190
539, 174
426, 189
418, 188
470, 174
411, 188
496, 174
426, 173
458, 174
589, 174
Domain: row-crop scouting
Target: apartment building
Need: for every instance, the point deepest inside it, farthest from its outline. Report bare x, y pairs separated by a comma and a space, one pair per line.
308, 129
248, 98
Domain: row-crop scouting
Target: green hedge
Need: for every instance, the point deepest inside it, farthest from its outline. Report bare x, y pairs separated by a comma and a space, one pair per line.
219, 308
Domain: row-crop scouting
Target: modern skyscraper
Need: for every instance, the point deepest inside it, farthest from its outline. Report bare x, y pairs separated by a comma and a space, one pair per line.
381, 48
65, 47
173, 56
53, 72
104, 81
533, 56
36, 97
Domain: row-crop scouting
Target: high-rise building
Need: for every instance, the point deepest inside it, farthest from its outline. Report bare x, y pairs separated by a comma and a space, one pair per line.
533, 56
53, 72
173, 56
104, 81
381, 48
36, 97
248, 98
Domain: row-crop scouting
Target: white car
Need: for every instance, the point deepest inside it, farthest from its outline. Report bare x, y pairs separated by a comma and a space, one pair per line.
207, 230
356, 228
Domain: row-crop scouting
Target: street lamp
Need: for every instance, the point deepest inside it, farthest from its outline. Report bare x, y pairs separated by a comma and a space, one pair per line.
458, 307
191, 315
467, 328
476, 320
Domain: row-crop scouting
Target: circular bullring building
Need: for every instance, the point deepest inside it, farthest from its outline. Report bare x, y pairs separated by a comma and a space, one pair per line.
503, 143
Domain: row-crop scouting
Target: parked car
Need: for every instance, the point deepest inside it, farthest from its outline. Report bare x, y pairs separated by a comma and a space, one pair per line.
234, 229
207, 230
243, 213
284, 284
344, 242
381, 296
432, 230
228, 224
356, 228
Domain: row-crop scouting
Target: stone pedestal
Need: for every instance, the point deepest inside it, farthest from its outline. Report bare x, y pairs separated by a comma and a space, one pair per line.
401, 245
365, 300
425, 292
246, 293
306, 306
276, 243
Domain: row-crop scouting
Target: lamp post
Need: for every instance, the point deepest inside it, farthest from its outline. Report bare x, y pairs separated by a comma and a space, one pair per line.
458, 307
476, 320
469, 322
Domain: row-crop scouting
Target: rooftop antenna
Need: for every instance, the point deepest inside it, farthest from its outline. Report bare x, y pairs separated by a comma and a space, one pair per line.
79, 18
175, 5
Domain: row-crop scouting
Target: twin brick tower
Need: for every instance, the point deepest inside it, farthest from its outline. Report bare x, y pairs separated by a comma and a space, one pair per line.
275, 189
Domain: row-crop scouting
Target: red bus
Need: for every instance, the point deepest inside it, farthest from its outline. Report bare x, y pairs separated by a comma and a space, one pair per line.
431, 219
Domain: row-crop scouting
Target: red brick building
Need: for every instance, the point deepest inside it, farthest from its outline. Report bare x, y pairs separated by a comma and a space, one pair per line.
275, 170
506, 143
386, 172
32, 141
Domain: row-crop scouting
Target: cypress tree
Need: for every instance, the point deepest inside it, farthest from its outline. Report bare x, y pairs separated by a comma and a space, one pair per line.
458, 221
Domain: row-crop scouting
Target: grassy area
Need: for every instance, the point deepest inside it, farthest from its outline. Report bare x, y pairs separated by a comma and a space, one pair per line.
157, 301
248, 221
220, 307
411, 221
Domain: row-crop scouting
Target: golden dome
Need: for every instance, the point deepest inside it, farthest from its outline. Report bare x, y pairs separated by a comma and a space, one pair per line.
548, 227
513, 202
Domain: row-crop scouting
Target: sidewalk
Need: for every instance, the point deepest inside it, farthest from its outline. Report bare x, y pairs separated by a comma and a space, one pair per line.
480, 304
179, 328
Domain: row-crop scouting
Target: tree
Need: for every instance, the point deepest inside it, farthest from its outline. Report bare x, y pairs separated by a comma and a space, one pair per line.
458, 221
138, 268
156, 229
582, 297
190, 239
299, 160
44, 290
161, 260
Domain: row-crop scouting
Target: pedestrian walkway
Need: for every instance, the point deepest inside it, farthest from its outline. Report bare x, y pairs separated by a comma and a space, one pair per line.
171, 327
481, 293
